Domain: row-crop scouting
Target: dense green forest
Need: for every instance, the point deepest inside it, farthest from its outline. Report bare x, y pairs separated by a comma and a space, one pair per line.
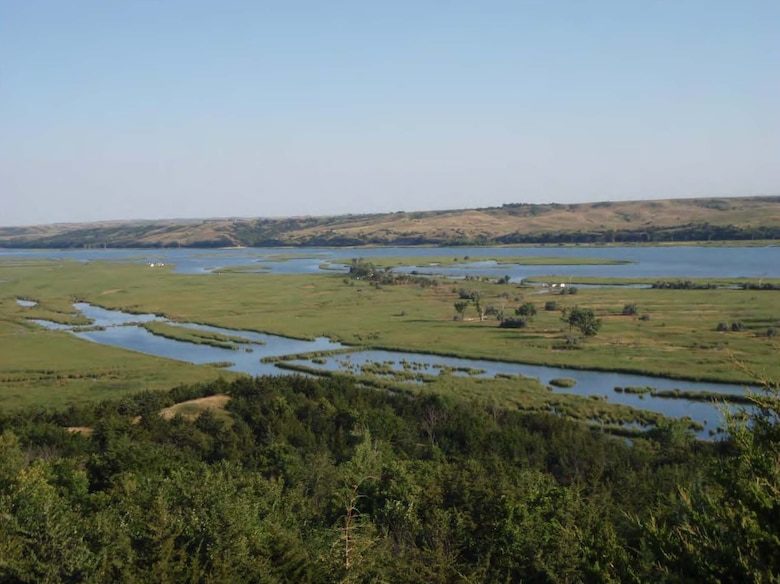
307, 480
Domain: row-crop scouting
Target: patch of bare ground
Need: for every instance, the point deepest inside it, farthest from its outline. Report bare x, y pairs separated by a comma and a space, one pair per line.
192, 408
85, 431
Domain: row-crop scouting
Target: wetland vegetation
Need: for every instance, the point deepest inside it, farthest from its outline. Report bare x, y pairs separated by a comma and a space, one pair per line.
678, 338
195, 336
400, 471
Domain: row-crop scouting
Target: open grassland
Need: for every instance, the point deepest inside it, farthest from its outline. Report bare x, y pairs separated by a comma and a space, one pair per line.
673, 333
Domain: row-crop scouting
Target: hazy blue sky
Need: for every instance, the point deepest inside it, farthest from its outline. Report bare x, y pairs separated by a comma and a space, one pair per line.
114, 109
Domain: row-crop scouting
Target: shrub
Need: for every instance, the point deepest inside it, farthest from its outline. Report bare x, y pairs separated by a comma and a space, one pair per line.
494, 311
551, 305
513, 323
527, 310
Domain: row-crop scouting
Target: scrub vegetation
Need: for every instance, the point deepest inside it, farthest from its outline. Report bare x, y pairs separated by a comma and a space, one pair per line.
289, 479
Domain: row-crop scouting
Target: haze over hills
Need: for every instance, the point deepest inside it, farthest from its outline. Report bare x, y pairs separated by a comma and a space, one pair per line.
650, 221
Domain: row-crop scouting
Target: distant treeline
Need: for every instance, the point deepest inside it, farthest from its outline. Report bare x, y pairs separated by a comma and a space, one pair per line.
685, 233
305, 480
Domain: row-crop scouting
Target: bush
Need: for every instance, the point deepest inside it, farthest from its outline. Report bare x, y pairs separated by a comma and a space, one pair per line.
527, 310
551, 305
513, 323
494, 311
737, 326
722, 327
464, 294
630, 309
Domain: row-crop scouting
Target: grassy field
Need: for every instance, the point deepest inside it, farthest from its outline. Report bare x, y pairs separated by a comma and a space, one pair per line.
673, 334
55, 369
52, 368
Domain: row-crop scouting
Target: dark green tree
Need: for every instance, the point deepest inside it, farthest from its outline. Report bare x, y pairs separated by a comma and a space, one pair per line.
583, 319
460, 307
527, 311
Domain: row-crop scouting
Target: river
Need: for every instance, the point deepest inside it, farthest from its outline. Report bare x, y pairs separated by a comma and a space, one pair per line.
121, 329
669, 262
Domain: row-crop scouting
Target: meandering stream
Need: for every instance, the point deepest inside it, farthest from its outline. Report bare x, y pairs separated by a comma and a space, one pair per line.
121, 329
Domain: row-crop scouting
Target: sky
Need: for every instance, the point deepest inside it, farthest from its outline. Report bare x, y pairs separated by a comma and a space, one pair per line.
130, 109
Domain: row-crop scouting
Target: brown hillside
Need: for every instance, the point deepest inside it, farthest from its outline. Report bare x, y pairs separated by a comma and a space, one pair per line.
678, 219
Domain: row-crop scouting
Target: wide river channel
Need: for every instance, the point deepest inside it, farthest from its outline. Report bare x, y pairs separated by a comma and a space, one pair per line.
124, 330
644, 262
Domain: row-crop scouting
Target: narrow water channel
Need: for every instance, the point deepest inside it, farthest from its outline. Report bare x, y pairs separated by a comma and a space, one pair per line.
121, 329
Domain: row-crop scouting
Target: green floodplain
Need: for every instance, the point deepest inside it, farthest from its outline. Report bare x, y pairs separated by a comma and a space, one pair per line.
120, 466
668, 332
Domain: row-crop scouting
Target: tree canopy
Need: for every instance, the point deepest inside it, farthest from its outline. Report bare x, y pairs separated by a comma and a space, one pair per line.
306, 480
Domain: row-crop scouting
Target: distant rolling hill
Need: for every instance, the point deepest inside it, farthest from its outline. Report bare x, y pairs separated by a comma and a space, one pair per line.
654, 221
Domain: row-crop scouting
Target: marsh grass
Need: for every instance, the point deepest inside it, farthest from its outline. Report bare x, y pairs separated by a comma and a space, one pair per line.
563, 382
679, 340
55, 369
702, 396
427, 262
195, 336
249, 268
